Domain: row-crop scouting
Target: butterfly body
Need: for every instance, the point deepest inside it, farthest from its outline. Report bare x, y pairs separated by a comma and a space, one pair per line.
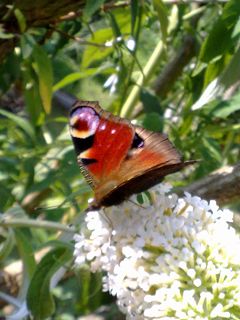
117, 158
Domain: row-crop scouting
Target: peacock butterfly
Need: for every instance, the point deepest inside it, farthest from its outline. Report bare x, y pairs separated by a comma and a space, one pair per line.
116, 157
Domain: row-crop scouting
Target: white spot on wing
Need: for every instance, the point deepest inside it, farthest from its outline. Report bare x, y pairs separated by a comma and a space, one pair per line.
102, 127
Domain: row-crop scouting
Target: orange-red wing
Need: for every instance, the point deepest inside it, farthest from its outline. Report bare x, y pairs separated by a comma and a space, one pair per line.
101, 140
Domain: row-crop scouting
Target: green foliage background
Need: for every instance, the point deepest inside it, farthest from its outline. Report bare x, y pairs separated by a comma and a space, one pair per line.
41, 188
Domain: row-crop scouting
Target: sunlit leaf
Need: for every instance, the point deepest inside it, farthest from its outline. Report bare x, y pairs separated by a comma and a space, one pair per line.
218, 86
72, 77
43, 69
94, 53
20, 19
162, 16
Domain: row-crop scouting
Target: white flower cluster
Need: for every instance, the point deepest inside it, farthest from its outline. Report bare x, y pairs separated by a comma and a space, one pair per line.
173, 258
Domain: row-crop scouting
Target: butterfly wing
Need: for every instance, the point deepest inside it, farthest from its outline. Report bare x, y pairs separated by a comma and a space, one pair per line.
116, 157
101, 141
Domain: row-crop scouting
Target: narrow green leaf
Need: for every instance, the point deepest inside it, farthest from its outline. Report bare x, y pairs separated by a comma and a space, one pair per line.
162, 16
115, 27
84, 276
26, 252
7, 243
72, 77
4, 34
32, 95
22, 123
225, 108
20, 19
134, 13
212, 149
39, 299
43, 68
91, 7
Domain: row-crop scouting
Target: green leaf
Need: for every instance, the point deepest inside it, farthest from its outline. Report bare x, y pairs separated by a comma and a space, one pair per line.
162, 16
91, 7
212, 149
225, 108
214, 68
236, 31
26, 251
219, 39
94, 53
43, 68
20, 19
227, 79
39, 299
230, 75
27, 45
4, 34
134, 12
153, 121
150, 102
72, 77
31, 95
6, 241
22, 123
115, 27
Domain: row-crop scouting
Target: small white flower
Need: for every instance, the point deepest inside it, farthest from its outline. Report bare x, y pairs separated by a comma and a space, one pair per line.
111, 83
131, 44
174, 258
109, 43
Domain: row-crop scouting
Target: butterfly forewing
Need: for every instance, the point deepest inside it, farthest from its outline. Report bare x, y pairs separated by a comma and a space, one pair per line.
110, 140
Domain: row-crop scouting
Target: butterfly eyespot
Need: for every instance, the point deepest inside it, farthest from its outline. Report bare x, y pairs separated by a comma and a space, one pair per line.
83, 122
